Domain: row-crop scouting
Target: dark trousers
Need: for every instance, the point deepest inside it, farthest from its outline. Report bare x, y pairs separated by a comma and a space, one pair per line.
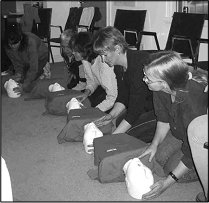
143, 128
98, 96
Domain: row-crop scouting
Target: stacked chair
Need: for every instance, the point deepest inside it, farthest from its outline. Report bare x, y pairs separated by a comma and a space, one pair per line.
185, 31
79, 19
130, 23
38, 21
201, 64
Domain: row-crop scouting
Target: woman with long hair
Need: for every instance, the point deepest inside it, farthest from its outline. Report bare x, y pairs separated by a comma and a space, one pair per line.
179, 97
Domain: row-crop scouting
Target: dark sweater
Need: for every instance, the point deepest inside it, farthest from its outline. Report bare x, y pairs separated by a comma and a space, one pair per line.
29, 62
132, 90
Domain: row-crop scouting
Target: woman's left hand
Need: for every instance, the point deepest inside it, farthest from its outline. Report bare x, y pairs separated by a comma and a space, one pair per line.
104, 120
156, 189
19, 89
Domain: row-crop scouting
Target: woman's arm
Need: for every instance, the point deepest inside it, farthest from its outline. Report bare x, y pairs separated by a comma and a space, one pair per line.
107, 79
160, 134
16, 61
91, 83
117, 109
122, 128
160, 186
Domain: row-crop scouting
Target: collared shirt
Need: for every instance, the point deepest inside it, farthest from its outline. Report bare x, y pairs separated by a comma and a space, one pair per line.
188, 104
101, 74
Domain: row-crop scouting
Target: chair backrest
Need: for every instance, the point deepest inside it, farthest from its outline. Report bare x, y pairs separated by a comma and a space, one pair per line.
97, 16
30, 18
73, 18
87, 17
188, 25
129, 20
43, 28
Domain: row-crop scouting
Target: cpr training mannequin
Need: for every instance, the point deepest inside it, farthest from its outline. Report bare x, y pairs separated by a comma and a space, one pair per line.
73, 104
55, 87
9, 86
138, 179
90, 132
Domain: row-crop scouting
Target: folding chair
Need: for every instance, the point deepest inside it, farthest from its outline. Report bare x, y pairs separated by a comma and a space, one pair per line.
185, 30
85, 23
30, 18
201, 64
71, 23
79, 19
43, 28
130, 23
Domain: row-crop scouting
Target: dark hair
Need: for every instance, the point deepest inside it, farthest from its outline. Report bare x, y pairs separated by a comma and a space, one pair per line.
15, 35
82, 43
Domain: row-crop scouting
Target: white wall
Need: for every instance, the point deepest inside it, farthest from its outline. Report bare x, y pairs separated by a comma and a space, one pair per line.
158, 19
60, 11
203, 54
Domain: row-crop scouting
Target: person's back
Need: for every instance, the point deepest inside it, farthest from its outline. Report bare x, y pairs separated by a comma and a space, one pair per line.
28, 54
35, 42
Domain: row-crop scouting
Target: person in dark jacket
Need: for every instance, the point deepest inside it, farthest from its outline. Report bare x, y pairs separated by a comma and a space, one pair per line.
133, 94
179, 98
29, 56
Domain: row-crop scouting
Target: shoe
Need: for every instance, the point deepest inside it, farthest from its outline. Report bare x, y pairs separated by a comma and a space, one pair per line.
201, 197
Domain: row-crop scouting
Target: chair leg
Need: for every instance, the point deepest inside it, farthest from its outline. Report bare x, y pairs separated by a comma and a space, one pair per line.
50, 52
50, 49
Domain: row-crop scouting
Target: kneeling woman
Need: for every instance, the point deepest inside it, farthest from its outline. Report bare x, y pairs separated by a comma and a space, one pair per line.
178, 98
101, 84
29, 56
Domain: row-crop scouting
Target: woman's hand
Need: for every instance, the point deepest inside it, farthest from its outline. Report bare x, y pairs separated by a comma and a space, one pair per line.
17, 77
149, 150
103, 120
82, 97
156, 189
19, 89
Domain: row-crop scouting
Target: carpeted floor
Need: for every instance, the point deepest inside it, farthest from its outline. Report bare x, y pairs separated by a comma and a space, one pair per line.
43, 170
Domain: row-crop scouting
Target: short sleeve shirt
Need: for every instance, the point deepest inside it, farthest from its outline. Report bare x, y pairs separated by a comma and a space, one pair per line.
189, 104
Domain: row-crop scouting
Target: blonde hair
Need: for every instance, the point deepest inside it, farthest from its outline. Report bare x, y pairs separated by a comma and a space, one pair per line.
168, 66
107, 38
